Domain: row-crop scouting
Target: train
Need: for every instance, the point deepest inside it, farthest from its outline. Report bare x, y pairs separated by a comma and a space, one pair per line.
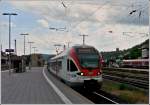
136, 63
78, 66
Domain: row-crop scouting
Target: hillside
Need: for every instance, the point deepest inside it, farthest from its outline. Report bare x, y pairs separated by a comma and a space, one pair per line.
131, 53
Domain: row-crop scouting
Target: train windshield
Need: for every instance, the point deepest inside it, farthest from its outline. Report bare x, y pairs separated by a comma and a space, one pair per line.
88, 57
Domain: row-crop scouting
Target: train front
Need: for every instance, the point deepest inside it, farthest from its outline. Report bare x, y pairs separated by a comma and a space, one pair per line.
88, 62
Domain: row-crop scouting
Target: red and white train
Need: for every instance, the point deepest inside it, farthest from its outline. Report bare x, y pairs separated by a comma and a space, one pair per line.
136, 63
78, 66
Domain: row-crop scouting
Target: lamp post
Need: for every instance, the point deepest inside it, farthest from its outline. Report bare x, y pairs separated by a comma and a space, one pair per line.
24, 40
34, 58
9, 14
24, 63
30, 55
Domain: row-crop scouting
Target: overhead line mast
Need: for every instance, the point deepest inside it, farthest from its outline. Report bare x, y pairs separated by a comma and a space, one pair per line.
84, 38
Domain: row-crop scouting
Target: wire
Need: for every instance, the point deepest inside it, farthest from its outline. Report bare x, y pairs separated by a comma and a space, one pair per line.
100, 7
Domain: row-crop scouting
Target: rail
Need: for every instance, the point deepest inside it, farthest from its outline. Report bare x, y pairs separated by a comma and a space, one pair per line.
134, 82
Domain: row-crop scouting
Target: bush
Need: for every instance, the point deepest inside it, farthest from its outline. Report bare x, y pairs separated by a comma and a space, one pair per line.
122, 87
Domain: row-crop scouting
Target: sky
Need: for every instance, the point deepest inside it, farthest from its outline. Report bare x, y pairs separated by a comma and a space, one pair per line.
109, 24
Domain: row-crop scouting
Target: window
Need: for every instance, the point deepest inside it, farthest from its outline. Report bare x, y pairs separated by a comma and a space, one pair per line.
72, 66
89, 60
88, 57
56, 65
59, 65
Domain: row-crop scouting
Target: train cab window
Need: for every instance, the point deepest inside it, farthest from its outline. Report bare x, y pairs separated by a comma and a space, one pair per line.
72, 66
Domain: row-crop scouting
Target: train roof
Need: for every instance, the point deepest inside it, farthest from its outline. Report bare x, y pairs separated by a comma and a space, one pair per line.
82, 46
66, 51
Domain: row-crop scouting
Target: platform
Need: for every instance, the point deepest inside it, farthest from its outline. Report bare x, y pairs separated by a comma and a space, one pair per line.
31, 87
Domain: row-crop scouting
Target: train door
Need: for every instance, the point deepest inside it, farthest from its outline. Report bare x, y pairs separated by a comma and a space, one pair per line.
63, 67
60, 67
68, 69
71, 69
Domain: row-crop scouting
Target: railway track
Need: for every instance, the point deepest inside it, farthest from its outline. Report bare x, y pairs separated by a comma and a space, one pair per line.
131, 70
135, 77
100, 97
135, 82
144, 77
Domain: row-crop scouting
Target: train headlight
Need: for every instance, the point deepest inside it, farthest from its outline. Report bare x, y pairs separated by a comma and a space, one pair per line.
81, 73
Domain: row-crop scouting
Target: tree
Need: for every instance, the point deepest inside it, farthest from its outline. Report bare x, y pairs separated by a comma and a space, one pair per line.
135, 53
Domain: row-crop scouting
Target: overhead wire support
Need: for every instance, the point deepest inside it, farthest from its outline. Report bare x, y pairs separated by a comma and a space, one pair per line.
30, 63
24, 34
10, 14
15, 46
68, 43
63, 4
83, 38
30, 45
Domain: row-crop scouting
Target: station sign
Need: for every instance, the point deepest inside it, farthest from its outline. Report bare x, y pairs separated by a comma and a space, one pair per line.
9, 50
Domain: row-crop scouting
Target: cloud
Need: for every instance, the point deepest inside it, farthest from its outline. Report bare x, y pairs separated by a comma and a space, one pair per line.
108, 12
6, 24
94, 18
43, 22
122, 11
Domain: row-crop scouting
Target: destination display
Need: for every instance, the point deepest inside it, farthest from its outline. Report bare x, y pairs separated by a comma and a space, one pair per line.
85, 50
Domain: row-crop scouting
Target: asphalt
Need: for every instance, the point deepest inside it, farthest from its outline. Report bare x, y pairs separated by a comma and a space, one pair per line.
31, 87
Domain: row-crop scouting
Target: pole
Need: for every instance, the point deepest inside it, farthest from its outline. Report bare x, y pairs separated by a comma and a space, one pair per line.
24, 44
9, 31
30, 46
15, 47
34, 49
33, 63
24, 63
1, 48
9, 43
9, 62
68, 44
84, 38
30, 55
24, 40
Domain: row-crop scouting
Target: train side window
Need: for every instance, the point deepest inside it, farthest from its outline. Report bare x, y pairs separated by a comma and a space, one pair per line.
59, 64
68, 64
72, 66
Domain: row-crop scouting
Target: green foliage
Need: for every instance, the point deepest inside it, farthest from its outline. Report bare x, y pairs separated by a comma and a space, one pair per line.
135, 53
122, 87
131, 53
